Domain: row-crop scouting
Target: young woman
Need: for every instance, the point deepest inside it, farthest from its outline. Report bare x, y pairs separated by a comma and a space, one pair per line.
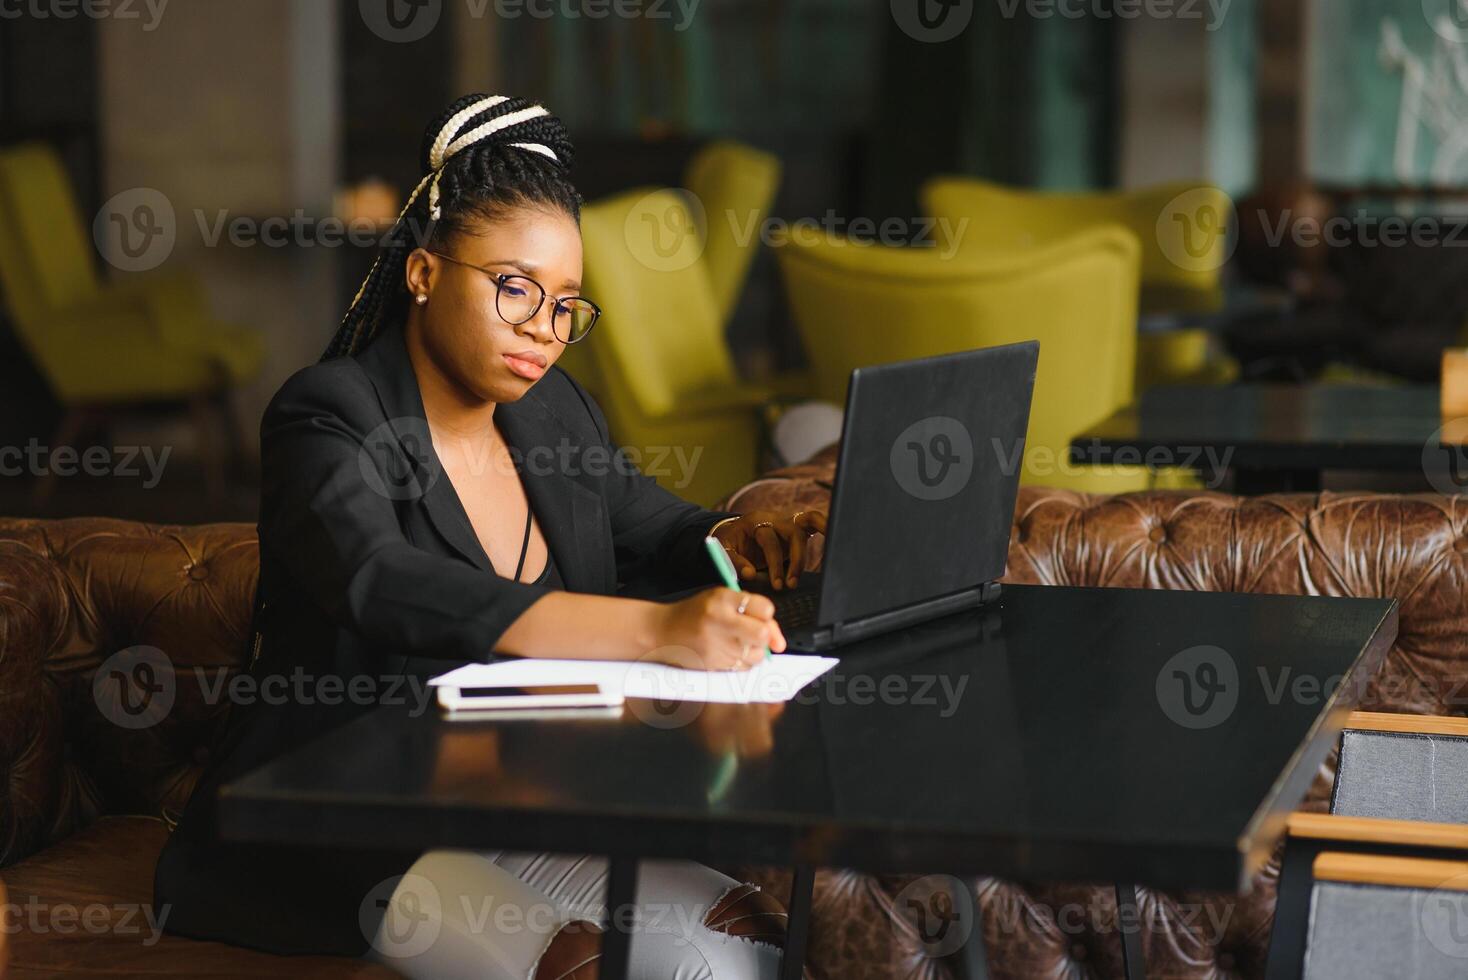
436, 492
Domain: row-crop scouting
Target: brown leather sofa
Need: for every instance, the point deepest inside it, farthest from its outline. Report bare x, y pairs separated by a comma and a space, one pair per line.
83, 797
4, 935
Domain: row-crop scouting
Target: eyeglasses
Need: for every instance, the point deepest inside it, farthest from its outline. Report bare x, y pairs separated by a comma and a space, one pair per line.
518, 298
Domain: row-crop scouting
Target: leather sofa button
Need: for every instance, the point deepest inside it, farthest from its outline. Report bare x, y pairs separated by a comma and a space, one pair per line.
1157, 535
1225, 961
1461, 545
1078, 951
198, 572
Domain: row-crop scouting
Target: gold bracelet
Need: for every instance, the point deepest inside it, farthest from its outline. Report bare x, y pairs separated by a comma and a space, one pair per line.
727, 520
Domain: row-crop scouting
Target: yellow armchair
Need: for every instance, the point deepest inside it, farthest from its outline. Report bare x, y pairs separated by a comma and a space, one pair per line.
1182, 229
58, 302
147, 340
657, 362
858, 304
736, 185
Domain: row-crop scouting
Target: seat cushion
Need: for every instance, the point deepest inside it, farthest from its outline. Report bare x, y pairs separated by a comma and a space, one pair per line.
84, 905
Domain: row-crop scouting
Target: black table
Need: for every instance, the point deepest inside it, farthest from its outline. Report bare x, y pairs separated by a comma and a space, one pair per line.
1281, 437
1078, 740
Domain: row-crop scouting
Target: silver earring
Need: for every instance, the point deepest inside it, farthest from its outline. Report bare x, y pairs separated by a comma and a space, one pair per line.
422, 300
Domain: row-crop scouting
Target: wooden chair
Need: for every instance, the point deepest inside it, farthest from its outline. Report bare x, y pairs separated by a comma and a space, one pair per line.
1378, 879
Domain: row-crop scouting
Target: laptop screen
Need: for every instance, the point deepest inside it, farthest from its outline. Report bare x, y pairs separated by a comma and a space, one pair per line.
926, 483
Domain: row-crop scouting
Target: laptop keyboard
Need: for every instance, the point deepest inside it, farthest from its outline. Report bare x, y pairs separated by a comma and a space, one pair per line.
796, 610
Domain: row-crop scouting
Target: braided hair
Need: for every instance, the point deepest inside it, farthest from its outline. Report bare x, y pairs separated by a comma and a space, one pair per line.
483, 156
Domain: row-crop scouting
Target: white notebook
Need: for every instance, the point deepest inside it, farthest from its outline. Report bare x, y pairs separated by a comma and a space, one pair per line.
777, 679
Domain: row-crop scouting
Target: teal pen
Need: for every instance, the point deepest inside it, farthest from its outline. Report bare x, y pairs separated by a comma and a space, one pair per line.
726, 569
724, 778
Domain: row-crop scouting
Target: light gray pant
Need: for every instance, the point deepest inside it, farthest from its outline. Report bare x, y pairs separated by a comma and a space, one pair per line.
489, 915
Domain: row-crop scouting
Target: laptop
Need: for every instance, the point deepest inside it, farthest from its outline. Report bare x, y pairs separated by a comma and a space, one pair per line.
924, 498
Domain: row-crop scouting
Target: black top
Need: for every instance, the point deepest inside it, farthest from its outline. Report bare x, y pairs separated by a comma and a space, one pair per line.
550, 576
1065, 734
372, 580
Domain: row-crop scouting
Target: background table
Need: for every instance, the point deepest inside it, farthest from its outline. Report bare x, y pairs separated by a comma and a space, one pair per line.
1280, 437
1076, 740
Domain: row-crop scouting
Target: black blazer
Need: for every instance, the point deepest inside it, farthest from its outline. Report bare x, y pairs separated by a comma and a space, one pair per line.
370, 572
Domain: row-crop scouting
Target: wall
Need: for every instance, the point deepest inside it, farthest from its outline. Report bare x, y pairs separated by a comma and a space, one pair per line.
1232, 139
255, 135
1189, 88
1164, 87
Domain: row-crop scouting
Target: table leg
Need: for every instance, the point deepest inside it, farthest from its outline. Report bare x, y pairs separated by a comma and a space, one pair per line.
1291, 912
616, 942
1129, 924
973, 961
797, 930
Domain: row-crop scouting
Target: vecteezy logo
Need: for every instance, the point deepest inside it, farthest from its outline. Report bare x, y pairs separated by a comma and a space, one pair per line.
397, 459
401, 916
403, 21
665, 230
941, 909
1199, 687
1444, 917
135, 688
1193, 230
666, 699
933, 458
932, 20
1445, 458
135, 231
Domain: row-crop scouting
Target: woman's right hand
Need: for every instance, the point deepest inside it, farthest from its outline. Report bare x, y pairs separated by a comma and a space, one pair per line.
747, 730
706, 631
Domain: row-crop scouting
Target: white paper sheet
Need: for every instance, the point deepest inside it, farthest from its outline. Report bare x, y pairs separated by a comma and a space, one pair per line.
777, 679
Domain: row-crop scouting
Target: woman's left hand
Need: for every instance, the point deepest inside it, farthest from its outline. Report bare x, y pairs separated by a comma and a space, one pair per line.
775, 538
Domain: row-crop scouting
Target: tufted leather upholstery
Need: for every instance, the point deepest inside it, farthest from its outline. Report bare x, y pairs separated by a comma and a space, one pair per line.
74, 592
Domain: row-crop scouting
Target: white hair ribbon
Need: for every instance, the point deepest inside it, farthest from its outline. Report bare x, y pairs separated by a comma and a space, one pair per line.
445, 146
